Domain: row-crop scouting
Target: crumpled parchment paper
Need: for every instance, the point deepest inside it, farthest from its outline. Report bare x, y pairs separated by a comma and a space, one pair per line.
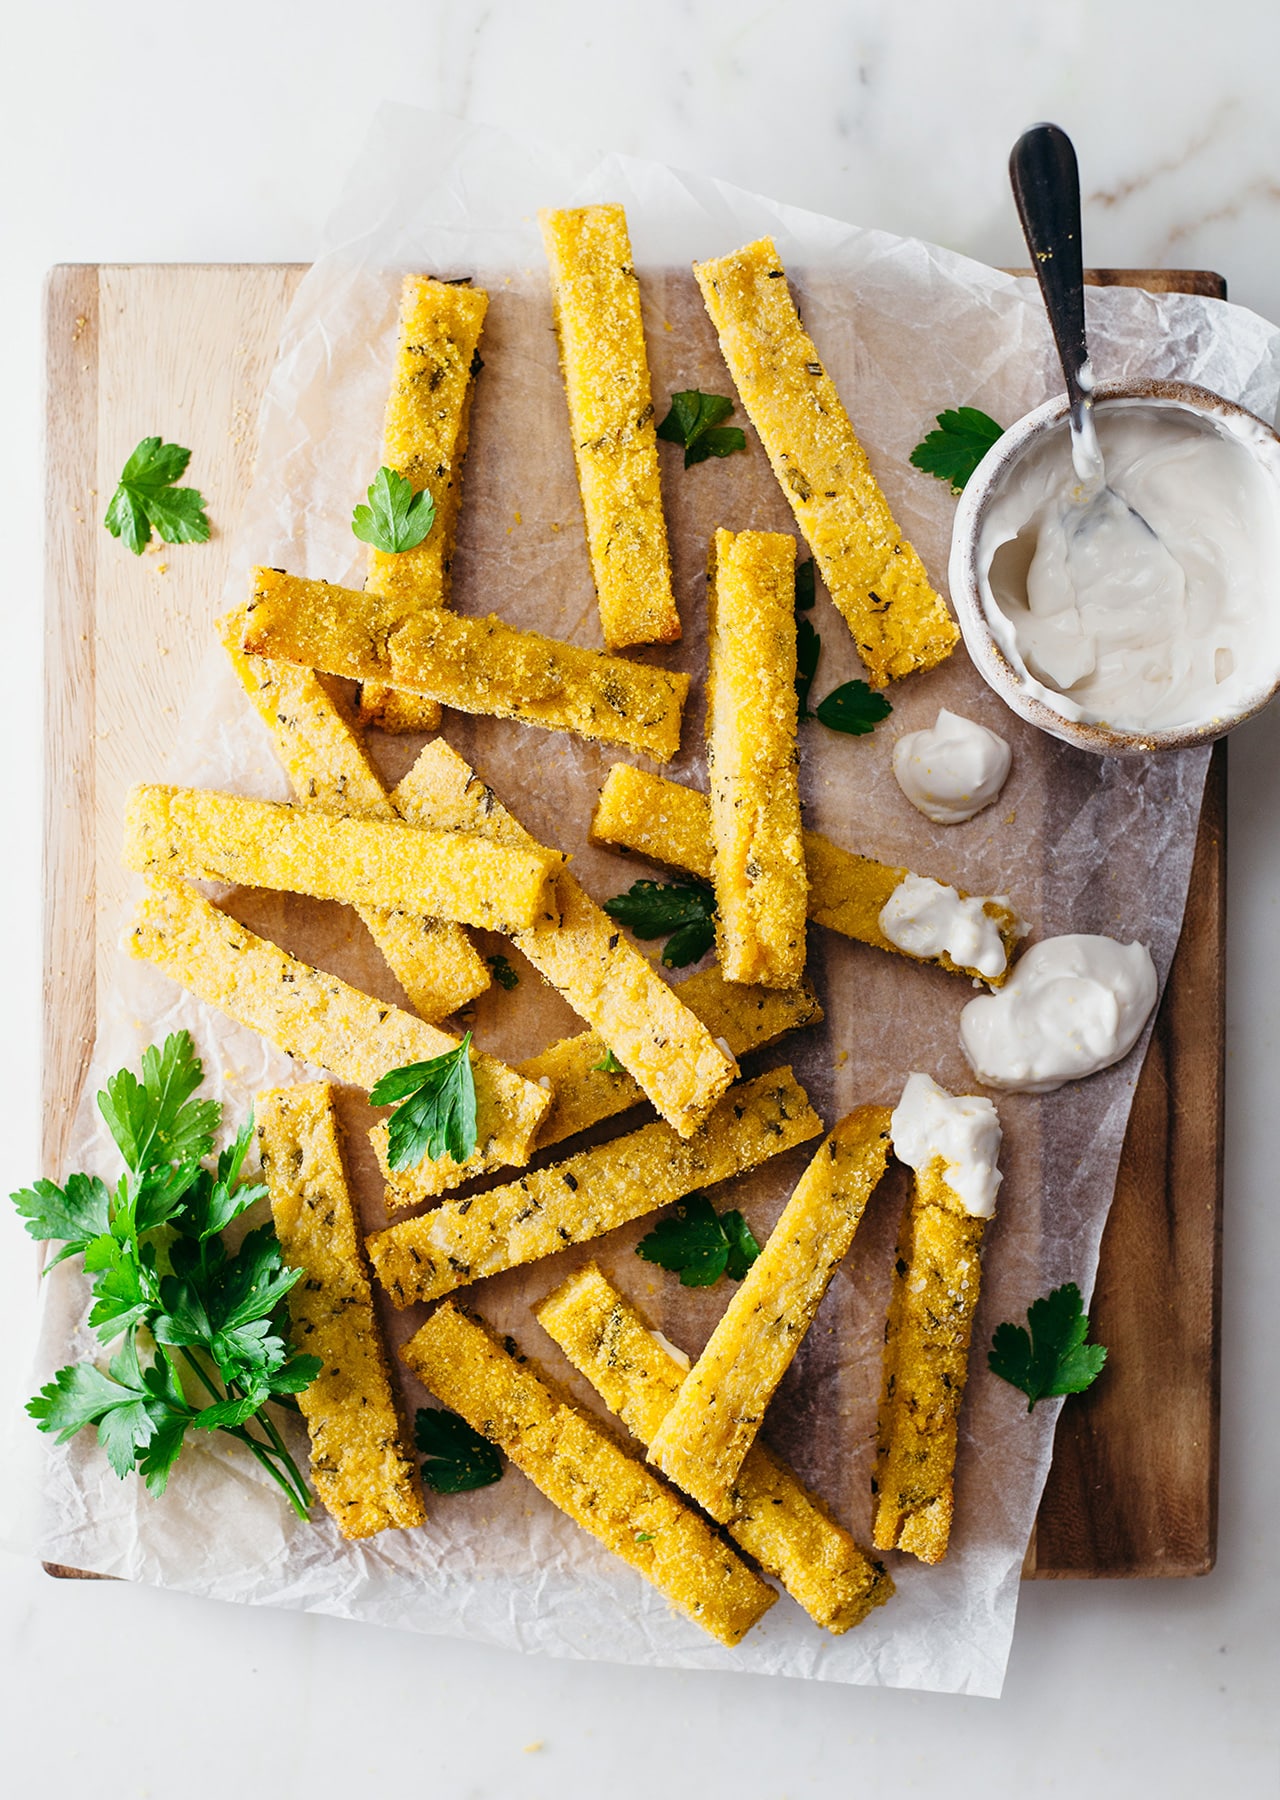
1079, 843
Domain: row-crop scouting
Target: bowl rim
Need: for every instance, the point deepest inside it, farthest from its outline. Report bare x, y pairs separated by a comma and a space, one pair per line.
966, 594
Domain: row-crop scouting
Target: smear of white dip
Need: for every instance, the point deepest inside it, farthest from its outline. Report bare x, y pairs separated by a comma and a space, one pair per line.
925, 918
951, 771
963, 1130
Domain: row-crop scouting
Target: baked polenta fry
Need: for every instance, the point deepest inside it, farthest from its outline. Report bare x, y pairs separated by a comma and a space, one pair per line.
434, 960
926, 1364
571, 1202
359, 1464
379, 862
758, 864
474, 665
606, 378
312, 1015
670, 823
582, 1469
704, 1439
773, 1515
584, 955
874, 576
425, 440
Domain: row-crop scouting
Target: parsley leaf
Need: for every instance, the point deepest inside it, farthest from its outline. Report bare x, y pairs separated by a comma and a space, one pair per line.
77, 1215
503, 973
151, 1120
396, 518
146, 498
808, 642
437, 1111
700, 1246
955, 449
853, 708
679, 911
1054, 1358
458, 1458
609, 1064
695, 421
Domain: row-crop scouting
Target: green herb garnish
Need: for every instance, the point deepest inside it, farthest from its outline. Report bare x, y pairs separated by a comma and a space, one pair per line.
695, 421
808, 642
396, 518
154, 1248
436, 1114
682, 913
1054, 1357
146, 499
853, 708
609, 1064
458, 1458
503, 973
955, 449
699, 1245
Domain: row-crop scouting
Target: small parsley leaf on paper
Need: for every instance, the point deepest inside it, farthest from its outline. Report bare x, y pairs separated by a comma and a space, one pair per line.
505, 976
145, 498
396, 518
955, 449
854, 709
808, 641
681, 912
435, 1105
699, 1245
695, 421
608, 1064
1053, 1358
458, 1458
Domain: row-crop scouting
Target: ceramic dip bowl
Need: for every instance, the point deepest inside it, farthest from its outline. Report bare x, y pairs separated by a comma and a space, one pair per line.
989, 633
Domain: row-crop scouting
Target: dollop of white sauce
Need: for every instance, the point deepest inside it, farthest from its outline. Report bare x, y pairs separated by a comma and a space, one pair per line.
1072, 1006
953, 770
963, 1130
926, 918
1141, 630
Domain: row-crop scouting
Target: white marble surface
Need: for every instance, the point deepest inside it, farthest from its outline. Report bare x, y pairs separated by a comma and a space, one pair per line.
220, 133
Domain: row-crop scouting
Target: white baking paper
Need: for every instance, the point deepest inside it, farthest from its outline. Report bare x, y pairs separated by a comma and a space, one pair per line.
1081, 844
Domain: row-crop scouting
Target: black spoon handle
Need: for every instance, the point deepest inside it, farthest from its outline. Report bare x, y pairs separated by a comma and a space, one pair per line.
1046, 190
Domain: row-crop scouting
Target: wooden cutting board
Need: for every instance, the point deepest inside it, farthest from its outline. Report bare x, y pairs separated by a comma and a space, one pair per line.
186, 351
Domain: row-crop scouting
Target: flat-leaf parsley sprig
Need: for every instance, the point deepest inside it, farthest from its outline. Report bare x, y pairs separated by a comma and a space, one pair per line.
854, 708
154, 1248
146, 499
396, 519
1053, 1358
700, 1245
696, 421
435, 1104
682, 912
955, 449
457, 1457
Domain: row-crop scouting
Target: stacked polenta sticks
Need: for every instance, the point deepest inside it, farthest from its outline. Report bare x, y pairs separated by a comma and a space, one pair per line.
679, 1484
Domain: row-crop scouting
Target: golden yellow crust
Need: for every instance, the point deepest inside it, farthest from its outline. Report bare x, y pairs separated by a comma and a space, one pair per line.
475, 665
425, 440
670, 823
702, 1442
311, 1015
433, 959
359, 1464
874, 576
926, 1364
758, 864
773, 1515
464, 1240
377, 862
585, 955
586, 1473
606, 377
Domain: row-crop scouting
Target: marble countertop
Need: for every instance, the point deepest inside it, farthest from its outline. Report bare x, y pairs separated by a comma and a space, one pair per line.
189, 133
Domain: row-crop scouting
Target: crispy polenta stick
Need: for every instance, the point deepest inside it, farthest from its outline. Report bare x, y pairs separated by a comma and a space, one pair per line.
425, 440
433, 959
874, 576
359, 1464
378, 862
582, 1470
670, 823
583, 954
702, 1442
463, 1240
774, 1516
926, 1363
606, 378
758, 864
309, 1014
475, 665
583, 1093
